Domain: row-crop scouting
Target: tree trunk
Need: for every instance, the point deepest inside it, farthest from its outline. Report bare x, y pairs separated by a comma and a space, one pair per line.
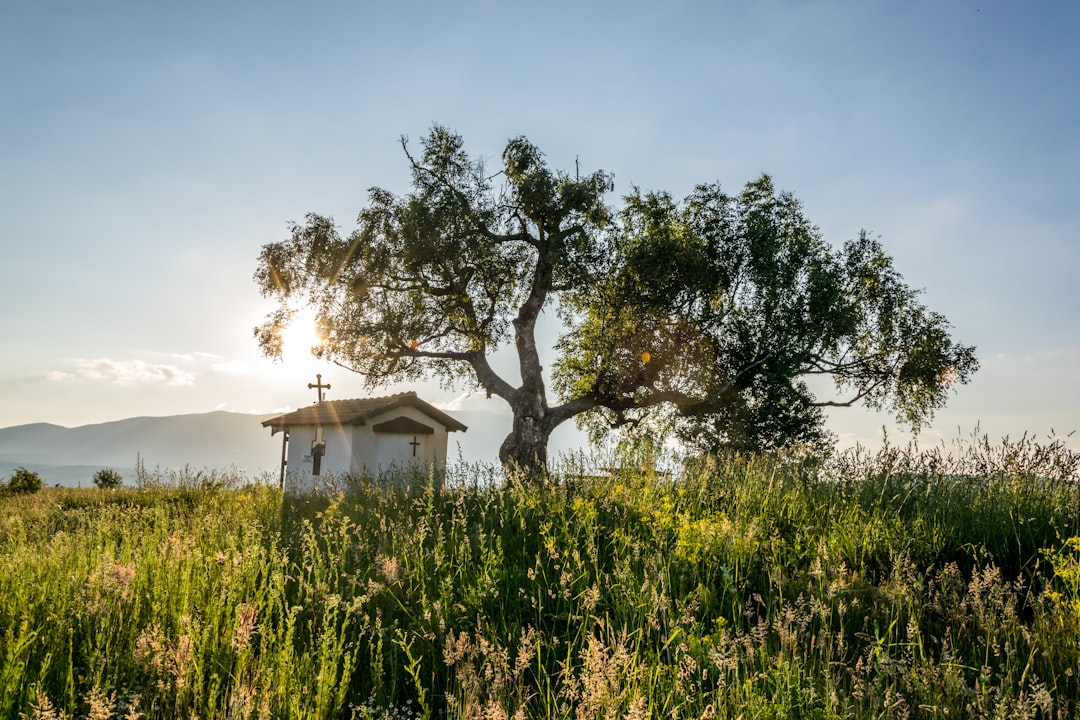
525, 449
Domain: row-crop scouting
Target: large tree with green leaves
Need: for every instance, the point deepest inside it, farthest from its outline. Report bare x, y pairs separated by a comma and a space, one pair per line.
706, 316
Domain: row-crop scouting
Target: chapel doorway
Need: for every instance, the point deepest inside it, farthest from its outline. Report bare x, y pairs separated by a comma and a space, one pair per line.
402, 442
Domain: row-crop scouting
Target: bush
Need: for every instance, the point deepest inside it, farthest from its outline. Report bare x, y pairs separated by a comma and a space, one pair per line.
108, 478
24, 481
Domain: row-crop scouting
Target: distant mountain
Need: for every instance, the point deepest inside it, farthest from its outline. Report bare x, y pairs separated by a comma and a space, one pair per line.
70, 456
216, 440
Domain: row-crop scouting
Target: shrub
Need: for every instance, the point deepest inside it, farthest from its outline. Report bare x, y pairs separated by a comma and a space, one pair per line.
24, 481
108, 478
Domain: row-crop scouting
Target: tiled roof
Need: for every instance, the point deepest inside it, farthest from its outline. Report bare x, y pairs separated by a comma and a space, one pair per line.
358, 411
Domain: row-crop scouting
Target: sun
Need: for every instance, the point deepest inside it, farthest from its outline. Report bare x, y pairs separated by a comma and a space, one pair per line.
300, 336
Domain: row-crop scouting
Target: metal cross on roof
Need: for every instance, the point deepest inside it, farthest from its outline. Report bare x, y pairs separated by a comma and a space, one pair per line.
318, 385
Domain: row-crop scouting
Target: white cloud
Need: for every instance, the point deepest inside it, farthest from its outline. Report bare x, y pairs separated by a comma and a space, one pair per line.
469, 400
199, 360
451, 405
125, 372
175, 357
275, 411
231, 367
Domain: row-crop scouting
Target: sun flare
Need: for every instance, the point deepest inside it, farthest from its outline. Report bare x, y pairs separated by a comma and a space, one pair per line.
300, 337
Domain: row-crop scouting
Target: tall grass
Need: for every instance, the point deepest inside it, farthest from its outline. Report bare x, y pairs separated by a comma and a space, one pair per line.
893, 585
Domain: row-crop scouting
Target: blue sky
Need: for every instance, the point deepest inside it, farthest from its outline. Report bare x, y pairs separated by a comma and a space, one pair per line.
150, 149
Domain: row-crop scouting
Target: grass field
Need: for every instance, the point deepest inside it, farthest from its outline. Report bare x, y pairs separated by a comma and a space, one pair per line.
895, 585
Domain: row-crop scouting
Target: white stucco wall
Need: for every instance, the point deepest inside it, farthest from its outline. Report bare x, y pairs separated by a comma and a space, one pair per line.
384, 451
357, 449
336, 462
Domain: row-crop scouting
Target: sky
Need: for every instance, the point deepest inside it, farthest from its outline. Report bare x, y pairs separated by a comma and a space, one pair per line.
150, 149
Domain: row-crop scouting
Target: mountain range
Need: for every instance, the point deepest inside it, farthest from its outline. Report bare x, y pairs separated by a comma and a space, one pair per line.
71, 456
214, 440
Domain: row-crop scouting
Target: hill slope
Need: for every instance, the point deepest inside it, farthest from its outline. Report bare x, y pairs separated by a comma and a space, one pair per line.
69, 456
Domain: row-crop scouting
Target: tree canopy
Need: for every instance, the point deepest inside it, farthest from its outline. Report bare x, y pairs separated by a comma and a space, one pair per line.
705, 317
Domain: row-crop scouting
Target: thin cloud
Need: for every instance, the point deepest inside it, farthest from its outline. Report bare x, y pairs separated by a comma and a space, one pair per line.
231, 367
275, 411
199, 361
457, 403
125, 372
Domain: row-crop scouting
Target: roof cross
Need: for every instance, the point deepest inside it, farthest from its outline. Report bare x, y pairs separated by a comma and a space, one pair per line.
318, 385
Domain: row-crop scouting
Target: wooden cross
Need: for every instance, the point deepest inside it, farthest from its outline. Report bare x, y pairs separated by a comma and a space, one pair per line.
318, 385
415, 444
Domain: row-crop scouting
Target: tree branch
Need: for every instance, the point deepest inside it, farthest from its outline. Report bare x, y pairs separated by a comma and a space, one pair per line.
561, 413
480, 226
859, 396
488, 378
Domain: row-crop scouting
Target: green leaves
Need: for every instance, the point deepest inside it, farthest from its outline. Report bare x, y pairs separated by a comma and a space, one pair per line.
738, 300
706, 315
22, 481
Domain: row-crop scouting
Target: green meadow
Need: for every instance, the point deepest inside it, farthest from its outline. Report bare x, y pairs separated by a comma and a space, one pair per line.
904, 584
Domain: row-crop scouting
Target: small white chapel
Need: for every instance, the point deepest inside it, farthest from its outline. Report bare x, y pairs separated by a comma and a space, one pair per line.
365, 436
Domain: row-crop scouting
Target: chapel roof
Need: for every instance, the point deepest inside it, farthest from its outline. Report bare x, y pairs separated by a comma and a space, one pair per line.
357, 412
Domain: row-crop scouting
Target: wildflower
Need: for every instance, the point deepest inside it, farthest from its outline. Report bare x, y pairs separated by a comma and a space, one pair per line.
638, 710
388, 567
245, 626
44, 709
101, 705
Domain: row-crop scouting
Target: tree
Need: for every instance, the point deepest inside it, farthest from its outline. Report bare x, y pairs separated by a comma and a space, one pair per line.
24, 481
707, 314
719, 309
108, 478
